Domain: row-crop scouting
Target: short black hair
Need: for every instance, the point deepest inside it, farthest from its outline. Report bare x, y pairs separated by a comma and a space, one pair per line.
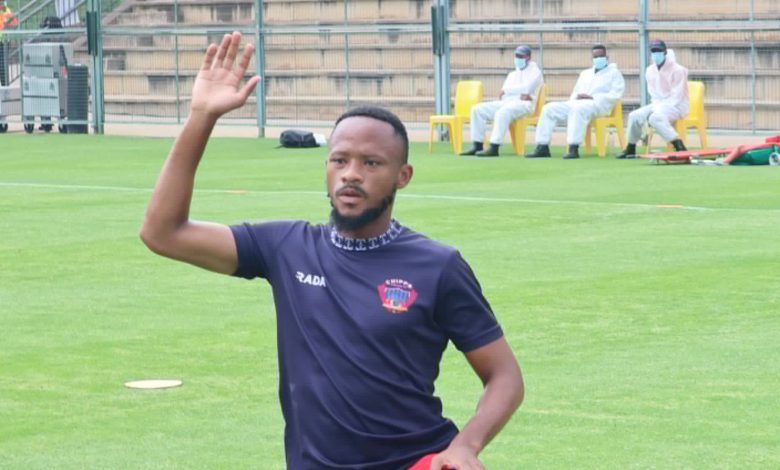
599, 46
384, 115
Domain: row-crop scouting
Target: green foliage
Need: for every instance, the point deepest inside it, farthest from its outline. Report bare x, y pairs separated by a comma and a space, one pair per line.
640, 300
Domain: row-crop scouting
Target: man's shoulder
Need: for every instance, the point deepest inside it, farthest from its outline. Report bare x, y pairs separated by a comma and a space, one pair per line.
281, 223
590, 71
533, 67
613, 67
651, 70
281, 229
414, 240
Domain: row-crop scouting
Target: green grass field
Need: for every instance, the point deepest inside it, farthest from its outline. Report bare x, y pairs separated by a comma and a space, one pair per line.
642, 302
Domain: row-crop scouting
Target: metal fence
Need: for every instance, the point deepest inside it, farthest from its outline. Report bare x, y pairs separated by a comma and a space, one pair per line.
319, 58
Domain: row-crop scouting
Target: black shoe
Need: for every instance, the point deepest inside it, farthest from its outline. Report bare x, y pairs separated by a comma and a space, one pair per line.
574, 152
628, 153
492, 151
678, 145
475, 147
541, 151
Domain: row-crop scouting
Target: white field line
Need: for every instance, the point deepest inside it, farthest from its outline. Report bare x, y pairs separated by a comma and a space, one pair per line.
442, 197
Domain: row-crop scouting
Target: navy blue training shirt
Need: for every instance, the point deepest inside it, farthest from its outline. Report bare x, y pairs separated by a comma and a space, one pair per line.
362, 326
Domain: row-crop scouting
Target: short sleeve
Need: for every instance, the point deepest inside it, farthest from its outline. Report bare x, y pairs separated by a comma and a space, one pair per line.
256, 245
461, 309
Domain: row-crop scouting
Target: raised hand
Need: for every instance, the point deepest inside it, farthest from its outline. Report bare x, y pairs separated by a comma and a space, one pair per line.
217, 88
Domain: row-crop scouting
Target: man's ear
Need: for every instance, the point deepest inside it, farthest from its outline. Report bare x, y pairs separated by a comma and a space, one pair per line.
404, 176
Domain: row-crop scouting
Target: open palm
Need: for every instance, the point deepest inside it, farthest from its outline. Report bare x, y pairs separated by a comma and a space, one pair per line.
217, 88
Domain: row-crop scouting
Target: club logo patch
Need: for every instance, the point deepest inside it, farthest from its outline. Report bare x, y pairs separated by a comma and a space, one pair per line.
396, 295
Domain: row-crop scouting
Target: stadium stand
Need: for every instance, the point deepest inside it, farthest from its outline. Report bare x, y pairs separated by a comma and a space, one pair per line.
305, 72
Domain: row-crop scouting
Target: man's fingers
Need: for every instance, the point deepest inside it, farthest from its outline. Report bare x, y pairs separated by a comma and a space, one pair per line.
211, 51
222, 51
243, 62
232, 52
249, 87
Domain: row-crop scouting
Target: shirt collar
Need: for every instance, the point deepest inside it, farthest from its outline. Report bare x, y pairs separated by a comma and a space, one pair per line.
365, 244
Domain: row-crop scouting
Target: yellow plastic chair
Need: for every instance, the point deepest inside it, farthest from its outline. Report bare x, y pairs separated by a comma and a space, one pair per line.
467, 94
518, 127
601, 125
696, 118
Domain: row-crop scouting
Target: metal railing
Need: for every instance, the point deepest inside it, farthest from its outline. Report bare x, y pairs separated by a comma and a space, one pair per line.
317, 62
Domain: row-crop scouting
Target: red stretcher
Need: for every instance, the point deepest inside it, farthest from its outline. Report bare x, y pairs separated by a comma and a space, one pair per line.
729, 155
684, 156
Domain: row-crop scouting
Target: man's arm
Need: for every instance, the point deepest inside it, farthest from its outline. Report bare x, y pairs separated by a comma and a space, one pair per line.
679, 84
651, 82
497, 367
167, 229
579, 88
617, 86
534, 82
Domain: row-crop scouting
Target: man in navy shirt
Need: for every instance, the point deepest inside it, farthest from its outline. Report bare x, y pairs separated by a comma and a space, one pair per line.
365, 306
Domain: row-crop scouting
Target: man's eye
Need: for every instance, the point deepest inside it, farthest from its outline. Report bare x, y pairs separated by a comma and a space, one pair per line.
372, 162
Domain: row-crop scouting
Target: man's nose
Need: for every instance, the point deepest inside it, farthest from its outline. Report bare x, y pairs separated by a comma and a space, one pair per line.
352, 172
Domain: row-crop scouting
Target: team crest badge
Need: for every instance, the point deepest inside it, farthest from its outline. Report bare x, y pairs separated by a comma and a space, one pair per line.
396, 295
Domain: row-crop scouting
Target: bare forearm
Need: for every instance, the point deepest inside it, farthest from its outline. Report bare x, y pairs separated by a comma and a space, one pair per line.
502, 396
169, 206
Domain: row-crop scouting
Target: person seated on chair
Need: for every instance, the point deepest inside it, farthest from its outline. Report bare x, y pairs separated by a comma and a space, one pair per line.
597, 90
667, 83
517, 99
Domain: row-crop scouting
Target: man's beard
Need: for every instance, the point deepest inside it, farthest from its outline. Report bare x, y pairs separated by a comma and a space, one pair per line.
351, 223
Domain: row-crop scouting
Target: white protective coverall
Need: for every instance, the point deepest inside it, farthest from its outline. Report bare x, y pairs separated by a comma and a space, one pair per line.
527, 81
605, 86
668, 88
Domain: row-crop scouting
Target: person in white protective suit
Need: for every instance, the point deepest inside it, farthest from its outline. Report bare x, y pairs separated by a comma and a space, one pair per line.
667, 83
597, 90
517, 99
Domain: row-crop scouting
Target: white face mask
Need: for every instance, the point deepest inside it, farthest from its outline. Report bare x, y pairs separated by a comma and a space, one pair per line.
520, 63
658, 57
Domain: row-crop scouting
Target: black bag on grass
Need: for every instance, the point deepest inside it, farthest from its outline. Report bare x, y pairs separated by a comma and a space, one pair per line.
294, 138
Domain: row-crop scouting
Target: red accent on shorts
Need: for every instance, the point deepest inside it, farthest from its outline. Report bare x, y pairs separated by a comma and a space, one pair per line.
424, 463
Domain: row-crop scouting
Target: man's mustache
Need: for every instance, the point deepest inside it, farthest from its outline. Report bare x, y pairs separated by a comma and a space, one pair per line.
351, 187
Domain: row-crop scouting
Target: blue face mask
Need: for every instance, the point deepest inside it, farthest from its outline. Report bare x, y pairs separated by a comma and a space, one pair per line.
658, 57
600, 62
520, 63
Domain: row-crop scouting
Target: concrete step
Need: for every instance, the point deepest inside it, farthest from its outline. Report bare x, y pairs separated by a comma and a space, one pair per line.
298, 108
142, 18
114, 41
722, 115
312, 59
405, 57
281, 83
215, 12
315, 51
721, 84
372, 11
